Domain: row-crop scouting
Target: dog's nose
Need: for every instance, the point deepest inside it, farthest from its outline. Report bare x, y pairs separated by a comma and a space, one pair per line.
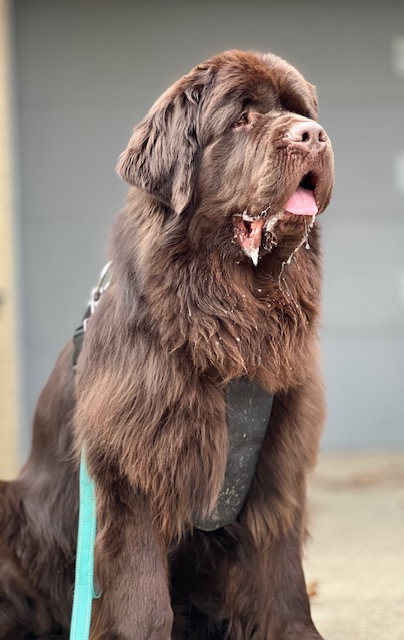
307, 136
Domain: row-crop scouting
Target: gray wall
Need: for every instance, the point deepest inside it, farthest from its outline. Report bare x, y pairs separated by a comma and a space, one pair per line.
87, 71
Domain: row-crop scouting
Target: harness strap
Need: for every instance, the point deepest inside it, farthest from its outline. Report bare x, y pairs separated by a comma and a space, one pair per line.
84, 582
248, 411
96, 293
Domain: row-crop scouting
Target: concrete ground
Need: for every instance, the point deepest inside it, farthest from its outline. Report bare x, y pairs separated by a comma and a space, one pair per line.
355, 559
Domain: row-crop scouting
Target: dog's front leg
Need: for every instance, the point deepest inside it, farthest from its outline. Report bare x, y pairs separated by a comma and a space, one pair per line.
130, 570
287, 603
265, 594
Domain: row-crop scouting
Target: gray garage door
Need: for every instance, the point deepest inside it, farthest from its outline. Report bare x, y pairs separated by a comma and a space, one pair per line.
85, 72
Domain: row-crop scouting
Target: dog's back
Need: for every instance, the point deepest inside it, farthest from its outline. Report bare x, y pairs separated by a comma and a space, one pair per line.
38, 515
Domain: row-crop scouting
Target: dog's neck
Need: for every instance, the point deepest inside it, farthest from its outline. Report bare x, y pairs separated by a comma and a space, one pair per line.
228, 318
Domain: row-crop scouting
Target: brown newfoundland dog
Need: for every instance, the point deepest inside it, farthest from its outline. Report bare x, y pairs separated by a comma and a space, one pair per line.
211, 316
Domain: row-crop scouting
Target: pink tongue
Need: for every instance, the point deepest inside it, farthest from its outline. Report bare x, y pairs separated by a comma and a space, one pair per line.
302, 203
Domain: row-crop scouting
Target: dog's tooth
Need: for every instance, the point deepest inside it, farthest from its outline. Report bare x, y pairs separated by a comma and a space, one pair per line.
253, 254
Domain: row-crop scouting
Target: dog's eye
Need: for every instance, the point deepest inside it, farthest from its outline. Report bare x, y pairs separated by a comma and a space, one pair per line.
243, 120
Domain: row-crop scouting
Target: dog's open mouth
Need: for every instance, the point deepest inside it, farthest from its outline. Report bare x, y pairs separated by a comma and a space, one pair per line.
249, 230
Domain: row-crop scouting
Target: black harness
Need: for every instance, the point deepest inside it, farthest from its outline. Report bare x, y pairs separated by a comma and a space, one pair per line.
248, 411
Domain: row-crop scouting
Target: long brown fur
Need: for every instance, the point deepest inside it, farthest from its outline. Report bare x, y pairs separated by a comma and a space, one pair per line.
185, 313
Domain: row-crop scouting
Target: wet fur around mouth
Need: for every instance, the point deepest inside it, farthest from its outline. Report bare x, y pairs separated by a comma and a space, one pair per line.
186, 312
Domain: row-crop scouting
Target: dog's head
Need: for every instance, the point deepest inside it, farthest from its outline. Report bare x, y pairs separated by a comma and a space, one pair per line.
236, 143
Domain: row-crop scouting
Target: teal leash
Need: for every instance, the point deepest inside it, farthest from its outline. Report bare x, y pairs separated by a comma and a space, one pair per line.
84, 581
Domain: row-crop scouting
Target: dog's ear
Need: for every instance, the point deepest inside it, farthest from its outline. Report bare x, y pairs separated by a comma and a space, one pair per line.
162, 152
